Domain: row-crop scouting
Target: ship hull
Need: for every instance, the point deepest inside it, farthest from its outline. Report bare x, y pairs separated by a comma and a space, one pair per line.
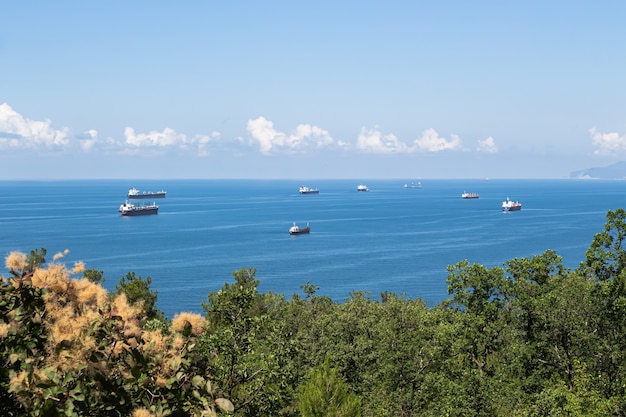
146, 195
512, 209
310, 192
304, 231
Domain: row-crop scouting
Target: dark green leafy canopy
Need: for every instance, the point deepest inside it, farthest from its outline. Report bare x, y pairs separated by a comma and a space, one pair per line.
606, 258
247, 350
325, 394
94, 276
475, 288
138, 290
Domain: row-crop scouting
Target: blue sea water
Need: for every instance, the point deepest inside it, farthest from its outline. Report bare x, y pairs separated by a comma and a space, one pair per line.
388, 239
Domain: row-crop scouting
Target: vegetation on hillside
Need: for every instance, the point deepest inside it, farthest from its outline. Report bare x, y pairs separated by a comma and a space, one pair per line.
528, 338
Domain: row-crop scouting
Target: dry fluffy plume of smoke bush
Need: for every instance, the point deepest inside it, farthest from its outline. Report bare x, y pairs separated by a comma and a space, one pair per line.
77, 309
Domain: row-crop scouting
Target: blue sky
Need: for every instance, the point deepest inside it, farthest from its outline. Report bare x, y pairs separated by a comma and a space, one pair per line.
326, 89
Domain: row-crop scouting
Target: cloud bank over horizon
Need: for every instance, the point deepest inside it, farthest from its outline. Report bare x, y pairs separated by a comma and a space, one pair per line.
18, 132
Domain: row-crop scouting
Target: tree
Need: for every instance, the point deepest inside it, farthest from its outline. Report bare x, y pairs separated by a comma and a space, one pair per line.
325, 394
532, 278
605, 263
138, 290
36, 258
606, 258
94, 276
246, 349
482, 296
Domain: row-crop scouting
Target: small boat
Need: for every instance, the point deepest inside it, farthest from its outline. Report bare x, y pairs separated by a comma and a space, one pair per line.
307, 190
509, 205
413, 185
362, 187
135, 193
469, 195
296, 230
130, 209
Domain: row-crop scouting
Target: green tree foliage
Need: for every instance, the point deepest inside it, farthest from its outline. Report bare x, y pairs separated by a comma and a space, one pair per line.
94, 275
606, 258
605, 263
36, 258
138, 291
326, 395
482, 298
245, 349
532, 280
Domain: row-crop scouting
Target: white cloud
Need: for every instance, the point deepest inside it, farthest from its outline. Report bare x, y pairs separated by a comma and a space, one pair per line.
607, 142
168, 138
432, 142
318, 136
262, 130
488, 145
373, 141
269, 139
89, 142
203, 142
18, 132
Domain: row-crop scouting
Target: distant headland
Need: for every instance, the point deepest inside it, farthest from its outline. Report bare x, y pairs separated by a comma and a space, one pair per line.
614, 171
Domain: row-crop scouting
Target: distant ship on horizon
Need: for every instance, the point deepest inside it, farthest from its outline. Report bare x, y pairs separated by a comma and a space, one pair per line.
134, 193
307, 190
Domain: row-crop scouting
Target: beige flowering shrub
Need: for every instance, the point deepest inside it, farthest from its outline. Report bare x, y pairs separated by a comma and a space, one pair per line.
69, 346
16, 261
197, 324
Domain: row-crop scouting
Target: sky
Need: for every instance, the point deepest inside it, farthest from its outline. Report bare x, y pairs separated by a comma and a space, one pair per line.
325, 89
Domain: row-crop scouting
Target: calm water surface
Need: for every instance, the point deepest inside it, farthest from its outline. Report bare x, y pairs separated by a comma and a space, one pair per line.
388, 239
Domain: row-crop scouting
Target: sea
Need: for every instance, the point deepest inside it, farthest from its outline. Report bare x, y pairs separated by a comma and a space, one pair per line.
392, 238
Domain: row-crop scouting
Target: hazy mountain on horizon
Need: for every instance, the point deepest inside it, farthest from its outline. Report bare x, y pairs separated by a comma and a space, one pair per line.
614, 171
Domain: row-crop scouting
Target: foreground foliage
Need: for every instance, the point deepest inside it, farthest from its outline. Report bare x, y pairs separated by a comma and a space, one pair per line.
528, 338
70, 349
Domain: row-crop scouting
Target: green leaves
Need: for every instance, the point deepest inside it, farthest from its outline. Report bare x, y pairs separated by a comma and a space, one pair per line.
606, 257
138, 290
325, 394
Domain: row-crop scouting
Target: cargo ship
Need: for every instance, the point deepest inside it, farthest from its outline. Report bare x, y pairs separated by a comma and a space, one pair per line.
130, 209
134, 193
509, 205
296, 230
307, 190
